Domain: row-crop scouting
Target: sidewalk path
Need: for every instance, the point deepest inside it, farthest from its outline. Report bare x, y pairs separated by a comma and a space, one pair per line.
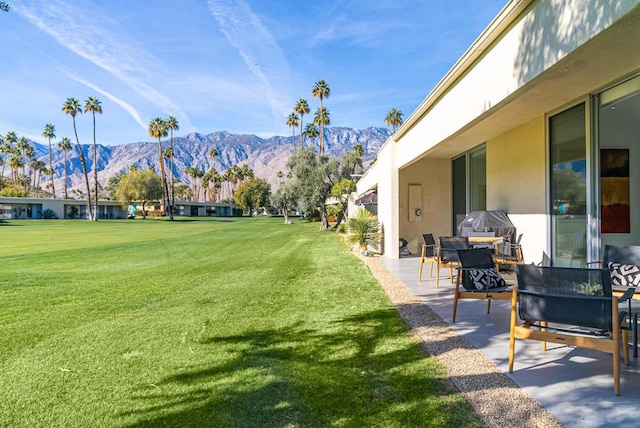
496, 398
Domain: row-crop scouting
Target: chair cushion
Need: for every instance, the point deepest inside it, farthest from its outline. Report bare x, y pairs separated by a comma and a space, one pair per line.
624, 275
483, 279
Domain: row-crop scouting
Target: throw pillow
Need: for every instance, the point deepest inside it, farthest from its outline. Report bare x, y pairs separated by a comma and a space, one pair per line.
484, 279
624, 275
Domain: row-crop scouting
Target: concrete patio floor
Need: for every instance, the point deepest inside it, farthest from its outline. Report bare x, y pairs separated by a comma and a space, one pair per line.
575, 385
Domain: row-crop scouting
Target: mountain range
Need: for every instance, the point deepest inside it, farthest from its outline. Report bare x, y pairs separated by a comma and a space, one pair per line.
265, 156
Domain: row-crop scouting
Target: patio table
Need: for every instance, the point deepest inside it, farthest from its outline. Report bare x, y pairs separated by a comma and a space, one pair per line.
494, 240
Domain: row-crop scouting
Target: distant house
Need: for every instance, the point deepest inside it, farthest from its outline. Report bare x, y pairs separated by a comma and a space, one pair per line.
205, 209
37, 208
540, 118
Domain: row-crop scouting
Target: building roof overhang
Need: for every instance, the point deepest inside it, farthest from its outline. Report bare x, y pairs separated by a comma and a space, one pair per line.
596, 64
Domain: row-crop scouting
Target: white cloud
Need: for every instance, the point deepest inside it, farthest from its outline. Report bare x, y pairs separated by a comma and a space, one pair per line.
257, 47
123, 104
86, 34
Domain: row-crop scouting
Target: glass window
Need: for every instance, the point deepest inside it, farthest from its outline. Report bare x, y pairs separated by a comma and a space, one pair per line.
568, 156
459, 167
469, 184
478, 180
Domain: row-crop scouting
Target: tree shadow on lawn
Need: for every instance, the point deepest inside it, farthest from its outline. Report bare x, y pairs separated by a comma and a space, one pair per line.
4, 223
357, 371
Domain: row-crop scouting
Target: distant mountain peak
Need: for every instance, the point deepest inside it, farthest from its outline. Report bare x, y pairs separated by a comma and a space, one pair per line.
266, 156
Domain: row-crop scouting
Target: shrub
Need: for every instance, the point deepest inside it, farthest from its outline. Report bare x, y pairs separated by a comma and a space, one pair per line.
49, 214
73, 212
364, 229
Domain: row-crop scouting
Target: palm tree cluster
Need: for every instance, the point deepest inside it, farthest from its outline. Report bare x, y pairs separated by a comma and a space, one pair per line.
18, 154
213, 186
72, 108
321, 91
159, 128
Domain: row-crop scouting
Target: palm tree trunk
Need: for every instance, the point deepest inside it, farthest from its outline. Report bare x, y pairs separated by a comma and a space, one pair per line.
173, 198
321, 128
95, 169
301, 144
53, 188
66, 196
163, 176
84, 170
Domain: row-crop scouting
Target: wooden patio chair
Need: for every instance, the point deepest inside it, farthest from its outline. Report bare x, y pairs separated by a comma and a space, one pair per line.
580, 305
428, 253
623, 262
515, 256
479, 279
447, 254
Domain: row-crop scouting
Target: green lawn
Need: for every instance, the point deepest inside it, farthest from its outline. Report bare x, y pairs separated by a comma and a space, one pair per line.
221, 323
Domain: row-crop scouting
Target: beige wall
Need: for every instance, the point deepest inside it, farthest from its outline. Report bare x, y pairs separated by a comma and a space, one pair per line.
434, 178
516, 183
516, 165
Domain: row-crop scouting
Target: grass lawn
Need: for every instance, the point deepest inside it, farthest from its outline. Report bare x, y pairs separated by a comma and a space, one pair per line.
192, 323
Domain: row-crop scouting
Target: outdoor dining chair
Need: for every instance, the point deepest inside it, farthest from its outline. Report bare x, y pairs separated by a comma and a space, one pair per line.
623, 262
428, 253
479, 279
569, 306
515, 256
447, 254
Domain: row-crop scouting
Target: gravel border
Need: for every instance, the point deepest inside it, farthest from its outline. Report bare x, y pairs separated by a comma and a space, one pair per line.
493, 395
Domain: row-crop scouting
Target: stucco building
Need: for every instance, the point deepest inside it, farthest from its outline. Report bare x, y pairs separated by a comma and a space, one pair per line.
539, 118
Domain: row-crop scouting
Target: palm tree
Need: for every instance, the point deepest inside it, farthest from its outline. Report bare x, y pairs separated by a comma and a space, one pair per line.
321, 118
217, 184
26, 151
321, 90
394, 119
15, 162
158, 129
302, 108
310, 132
37, 168
10, 139
5, 149
292, 122
65, 146
173, 125
72, 108
49, 133
246, 173
168, 155
93, 105
213, 153
195, 174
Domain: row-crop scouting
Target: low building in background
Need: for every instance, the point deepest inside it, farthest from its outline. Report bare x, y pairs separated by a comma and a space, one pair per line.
42, 208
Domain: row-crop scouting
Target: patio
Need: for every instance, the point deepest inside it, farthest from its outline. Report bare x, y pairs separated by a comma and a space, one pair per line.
575, 385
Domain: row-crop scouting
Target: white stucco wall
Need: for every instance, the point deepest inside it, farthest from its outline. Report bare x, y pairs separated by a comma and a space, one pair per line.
549, 31
513, 57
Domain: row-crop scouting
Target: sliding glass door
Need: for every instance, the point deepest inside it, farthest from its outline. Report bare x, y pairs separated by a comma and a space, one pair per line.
618, 120
568, 156
469, 184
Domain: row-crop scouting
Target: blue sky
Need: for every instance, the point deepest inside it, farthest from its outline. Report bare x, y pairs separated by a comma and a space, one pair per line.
224, 65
